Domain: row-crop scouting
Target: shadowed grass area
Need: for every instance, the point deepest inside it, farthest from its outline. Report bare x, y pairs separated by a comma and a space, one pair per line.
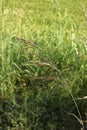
43, 64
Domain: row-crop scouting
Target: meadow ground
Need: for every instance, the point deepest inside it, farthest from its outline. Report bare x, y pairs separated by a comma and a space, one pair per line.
43, 64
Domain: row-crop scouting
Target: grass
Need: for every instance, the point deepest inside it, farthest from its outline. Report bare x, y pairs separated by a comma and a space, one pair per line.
43, 64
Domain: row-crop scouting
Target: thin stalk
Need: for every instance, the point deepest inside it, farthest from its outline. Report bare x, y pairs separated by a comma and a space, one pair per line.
80, 117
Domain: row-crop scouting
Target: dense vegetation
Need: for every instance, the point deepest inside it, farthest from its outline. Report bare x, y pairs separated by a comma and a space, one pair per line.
43, 64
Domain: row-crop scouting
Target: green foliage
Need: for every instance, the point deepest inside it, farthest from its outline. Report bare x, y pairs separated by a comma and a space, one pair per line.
43, 65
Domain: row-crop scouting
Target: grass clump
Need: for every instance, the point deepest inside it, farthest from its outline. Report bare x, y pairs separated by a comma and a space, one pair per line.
42, 65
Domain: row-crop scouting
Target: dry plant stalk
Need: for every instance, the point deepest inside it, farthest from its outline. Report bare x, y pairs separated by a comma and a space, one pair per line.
39, 63
25, 41
49, 78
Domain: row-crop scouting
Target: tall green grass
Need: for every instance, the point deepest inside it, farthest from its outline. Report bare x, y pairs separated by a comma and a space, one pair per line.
43, 64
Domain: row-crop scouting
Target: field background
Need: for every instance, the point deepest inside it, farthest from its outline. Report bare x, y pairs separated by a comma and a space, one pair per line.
43, 64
